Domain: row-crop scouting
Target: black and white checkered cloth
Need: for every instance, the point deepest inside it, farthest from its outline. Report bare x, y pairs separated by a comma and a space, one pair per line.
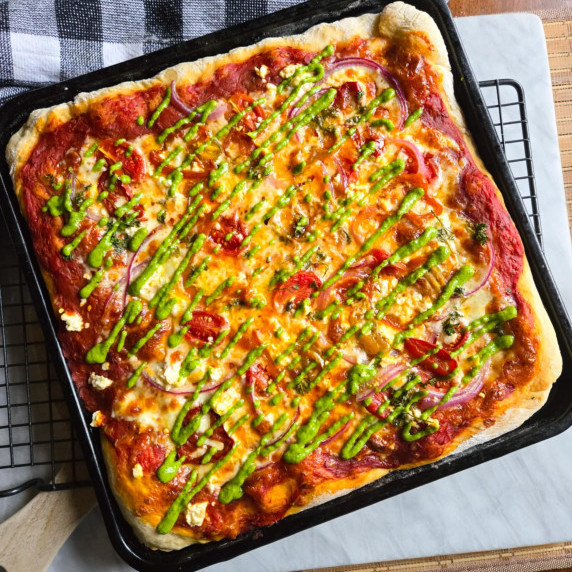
46, 41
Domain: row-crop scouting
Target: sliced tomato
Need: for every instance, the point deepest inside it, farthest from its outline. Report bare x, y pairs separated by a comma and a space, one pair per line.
204, 326
297, 288
240, 101
432, 166
229, 232
374, 258
347, 96
376, 400
462, 335
132, 162
440, 363
258, 377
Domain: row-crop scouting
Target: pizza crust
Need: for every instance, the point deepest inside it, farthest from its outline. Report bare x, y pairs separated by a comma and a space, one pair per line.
396, 20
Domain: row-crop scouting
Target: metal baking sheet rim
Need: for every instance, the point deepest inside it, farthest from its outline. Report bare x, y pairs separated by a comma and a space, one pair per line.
552, 419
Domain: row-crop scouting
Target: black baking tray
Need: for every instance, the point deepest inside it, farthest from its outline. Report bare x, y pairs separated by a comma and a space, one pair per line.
553, 418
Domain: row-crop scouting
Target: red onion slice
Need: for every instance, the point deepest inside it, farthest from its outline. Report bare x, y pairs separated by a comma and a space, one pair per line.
293, 111
422, 168
492, 259
464, 394
179, 391
177, 101
336, 434
294, 419
219, 111
388, 76
130, 267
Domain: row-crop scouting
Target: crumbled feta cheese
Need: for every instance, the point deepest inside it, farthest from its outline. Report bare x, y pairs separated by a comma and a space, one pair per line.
270, 86
195, 513
105, 366
171, 373
137, 471
288, 70
450, 339
97, 419
226, 400
99, 382
262, 71
73, 321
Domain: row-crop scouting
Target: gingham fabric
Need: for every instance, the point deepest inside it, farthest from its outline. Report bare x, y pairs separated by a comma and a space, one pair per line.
46, 41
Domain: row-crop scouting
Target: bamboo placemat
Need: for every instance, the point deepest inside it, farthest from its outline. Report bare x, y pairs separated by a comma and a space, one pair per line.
558, 31
554, 557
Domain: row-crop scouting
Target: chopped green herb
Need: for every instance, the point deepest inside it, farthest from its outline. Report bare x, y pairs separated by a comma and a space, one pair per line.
300, 226
480, 233
451, 324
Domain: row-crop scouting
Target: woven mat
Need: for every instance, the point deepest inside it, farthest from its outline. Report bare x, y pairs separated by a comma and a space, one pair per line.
553, 557
558, 31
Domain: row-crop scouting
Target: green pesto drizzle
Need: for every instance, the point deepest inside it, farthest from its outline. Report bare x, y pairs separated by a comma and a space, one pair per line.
387, 123
219, 422
180, 433
162, 299
167, 160
172, 239
76, 217
219, 289
460, 277
218, 173
164, 103
170, 467
140, 343
205, 110
239, 333
175, 339
95, 257
310, 76
366, 150
385, 174
188, 492
135, 376
437, 257
98, 353
232, 490
69, 248
415, 115
485, 324
92, 149
137, 239
88, 289
495, 345
368, 426
121, 341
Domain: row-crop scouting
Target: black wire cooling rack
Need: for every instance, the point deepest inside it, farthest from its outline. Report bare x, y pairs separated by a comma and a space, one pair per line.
36, 437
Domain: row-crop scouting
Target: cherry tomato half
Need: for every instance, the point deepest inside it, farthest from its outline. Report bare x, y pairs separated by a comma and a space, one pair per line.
204, 326
229, 233
297, 288
440, 363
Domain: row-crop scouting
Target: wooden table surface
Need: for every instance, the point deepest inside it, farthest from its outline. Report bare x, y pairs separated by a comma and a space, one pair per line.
556, 16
